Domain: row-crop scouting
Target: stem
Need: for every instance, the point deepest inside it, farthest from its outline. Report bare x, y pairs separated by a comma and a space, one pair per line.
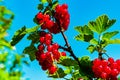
65, 49
100, 48
107, 55
69, 48
100, 56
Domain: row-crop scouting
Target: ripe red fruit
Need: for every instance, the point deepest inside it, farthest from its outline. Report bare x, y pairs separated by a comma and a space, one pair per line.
48, 42
104, 62
56, 54
118, 68
48, 36
114, 65
63, 53
104, 75
39, 15
99, 69
49, 24
50, 48
52, 69
42, 39
114, 72
55, 46
41, 47
97, 62
60, 14
111, 60
44, 67
65, 6
107, 69
114, 78
49, 57
118, 61
42, 56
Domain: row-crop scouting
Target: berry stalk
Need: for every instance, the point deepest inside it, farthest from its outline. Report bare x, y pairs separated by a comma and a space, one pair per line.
69, 48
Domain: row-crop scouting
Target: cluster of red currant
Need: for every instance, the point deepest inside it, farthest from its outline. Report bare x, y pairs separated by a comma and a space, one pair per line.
61, 19
106, 69
48, 53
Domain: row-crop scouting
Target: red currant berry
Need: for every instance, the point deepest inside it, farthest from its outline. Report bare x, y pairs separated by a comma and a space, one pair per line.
104, 62
63, 53
107, 69
49, 48
42, 56
44, 67
111, 60
48, 36
104, 75
52, 69
42, 39
39, 16
114, 65
118, 61
55, 46
97, 62
114, 72
48, 42
65, 6
41, 47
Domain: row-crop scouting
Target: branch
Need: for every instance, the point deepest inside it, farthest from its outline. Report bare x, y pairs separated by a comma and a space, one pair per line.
65, 49
69, 49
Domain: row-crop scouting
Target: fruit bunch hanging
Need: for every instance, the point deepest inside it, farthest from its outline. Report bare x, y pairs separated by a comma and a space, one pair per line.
48, 53
53, 19
106, 69
59, 20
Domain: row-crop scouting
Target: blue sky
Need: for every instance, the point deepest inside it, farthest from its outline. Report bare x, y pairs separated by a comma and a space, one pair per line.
81, 12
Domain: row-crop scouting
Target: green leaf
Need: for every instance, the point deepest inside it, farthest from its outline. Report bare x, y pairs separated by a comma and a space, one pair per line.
68, 70
118, 78
115, 41
55, 3
79, 37
66, 61
5, 10
93, 41
30, 50
86, 64
59, 74
40, 6
109, 35
34, 37
4, 43
33, 29
85, 33
18, 36
49, 1
21, 33
3, 57
84, 30
43, 1
101, 24
91, 48
104, 43
84, 37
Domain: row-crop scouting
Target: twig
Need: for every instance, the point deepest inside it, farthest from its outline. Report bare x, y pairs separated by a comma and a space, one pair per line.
69, 48
65, 49
107, 55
